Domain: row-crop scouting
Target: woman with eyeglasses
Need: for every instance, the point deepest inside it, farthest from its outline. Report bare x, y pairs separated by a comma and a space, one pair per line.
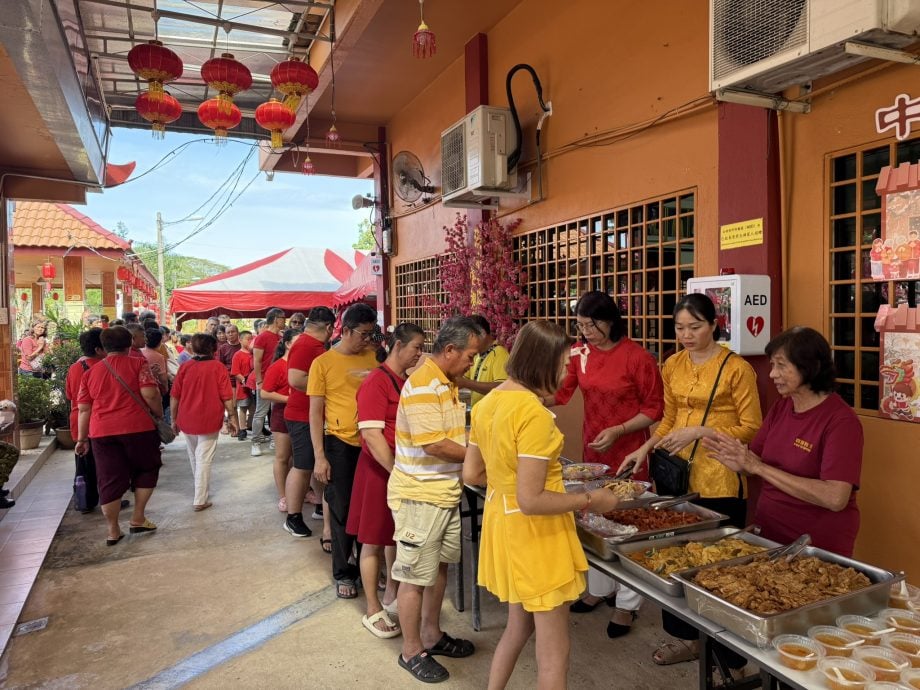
623, 397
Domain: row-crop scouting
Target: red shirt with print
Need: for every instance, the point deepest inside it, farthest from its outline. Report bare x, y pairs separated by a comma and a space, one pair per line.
304, 350
276, 378
201, 387
241, 364
114, 411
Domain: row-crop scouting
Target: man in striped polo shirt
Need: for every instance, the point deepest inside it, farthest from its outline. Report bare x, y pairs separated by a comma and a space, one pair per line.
424, 494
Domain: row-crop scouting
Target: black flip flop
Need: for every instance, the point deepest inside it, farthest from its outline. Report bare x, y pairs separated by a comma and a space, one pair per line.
452, 647
424, 668
112, 542
323, 543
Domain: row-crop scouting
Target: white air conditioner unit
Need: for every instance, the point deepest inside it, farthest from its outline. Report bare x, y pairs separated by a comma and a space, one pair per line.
474, 159
769, 45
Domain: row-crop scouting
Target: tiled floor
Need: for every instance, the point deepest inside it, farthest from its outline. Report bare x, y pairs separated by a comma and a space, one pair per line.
26, 531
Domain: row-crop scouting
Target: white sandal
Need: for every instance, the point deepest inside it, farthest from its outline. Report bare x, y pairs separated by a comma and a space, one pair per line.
368, 622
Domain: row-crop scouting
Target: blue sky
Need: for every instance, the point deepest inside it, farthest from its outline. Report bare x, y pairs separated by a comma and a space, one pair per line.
293, 210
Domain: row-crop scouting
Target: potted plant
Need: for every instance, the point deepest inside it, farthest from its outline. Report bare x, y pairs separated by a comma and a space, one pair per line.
34, 401
59, 361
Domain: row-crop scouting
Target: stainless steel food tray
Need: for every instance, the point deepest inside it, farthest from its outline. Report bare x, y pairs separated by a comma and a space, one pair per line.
574, 486
669, 585
603, 545
760, 630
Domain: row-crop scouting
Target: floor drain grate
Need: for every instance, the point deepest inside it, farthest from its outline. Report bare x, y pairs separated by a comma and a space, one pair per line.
31, 626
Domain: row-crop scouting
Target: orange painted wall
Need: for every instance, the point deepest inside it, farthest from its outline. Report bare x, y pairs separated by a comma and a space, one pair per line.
842, 118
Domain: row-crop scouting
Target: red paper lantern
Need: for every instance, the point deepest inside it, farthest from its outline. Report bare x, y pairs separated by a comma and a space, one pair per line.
123, 274
155, 64
213, 117
228, 76
274, 117
308, 168
295, 79
159, 112
48, 271
25, 297
333, 137
423, 42
55, 296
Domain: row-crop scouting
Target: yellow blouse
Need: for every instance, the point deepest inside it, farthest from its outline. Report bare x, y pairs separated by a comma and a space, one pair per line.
735, 411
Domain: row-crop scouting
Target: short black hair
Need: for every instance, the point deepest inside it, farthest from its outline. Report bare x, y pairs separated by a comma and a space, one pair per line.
599, 306
357, 314
700, 307
129, 317
204, 345
810, 353
90, 340
184, 338
272, 314
321, 315
483, 323
154, 337
115, 338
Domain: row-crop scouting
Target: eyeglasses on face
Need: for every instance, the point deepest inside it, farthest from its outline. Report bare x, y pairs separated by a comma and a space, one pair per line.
585, 327
364, 335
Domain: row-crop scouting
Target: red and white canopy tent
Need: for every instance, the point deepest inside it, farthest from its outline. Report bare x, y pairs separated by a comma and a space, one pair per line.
360, 285
296, 279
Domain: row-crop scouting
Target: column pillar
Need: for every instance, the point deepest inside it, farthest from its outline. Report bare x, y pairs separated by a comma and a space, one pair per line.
109, 297
74, 288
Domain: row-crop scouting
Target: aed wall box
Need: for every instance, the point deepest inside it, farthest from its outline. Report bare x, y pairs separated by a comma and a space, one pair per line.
742, 309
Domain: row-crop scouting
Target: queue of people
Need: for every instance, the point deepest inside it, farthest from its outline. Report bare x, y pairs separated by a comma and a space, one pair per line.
381, 435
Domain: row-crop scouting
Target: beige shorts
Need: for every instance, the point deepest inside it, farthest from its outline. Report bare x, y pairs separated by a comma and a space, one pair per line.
426, 536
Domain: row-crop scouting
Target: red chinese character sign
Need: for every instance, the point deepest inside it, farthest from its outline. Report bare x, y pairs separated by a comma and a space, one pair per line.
899, 378
895, 255
898, 116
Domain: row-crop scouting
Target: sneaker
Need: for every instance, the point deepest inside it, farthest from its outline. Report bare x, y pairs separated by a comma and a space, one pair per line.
241, 436
282, 504
271, 445
6, 503
317, 513
255, 451
294, 525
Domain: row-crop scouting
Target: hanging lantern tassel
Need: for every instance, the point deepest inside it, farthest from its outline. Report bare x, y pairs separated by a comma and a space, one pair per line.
333, 137
308, 167
423, 43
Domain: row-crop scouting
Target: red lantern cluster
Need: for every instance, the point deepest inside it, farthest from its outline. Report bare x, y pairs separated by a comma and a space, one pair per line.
228, 76
158, 112
155, 64
276, 118
214, 117
295, 79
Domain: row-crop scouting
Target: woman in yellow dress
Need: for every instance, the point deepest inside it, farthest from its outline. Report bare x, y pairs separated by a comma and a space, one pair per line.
529, 554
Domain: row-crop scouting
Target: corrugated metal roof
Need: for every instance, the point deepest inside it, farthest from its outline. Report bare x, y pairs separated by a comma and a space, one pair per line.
39, 224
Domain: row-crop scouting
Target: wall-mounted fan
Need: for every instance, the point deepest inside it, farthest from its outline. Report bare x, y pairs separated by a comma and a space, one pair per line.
409, 180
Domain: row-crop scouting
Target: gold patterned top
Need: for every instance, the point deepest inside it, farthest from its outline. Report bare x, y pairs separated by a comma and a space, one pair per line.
735, 411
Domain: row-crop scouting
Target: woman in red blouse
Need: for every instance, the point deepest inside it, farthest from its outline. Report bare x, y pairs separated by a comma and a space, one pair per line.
369, 517
200, 395
32, 350
623, 397
275, 388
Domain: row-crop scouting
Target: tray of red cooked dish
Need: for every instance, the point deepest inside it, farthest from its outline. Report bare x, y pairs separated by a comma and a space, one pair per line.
599, 533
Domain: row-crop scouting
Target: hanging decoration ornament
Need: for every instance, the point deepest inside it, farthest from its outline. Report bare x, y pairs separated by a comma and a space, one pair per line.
423, 42
213, 117
308, 168
155, 64
228, 76
55, 296
123, 274
48, 270
332, 136
158, 113
295, 79
276, 118
24, 297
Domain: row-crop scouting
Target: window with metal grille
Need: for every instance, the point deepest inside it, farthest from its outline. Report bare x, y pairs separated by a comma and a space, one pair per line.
641, 255
417, 287
855, 220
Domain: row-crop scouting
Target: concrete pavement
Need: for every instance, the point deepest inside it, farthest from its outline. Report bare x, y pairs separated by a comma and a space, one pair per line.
226, 598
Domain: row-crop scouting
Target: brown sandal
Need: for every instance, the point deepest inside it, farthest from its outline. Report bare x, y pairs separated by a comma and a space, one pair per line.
675, 652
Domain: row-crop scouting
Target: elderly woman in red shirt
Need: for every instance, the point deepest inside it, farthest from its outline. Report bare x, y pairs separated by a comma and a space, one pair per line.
200, 394
118, 402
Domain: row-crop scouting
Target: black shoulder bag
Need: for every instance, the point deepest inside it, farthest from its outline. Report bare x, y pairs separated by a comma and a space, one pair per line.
670, 472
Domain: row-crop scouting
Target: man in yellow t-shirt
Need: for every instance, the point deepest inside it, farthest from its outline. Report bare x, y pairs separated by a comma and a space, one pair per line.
424, 494
488, 369
332, 385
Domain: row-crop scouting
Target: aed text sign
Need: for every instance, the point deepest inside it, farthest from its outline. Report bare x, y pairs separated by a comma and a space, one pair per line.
755, 300
747, 233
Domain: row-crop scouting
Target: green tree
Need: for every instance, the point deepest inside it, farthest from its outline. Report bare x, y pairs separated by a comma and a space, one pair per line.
121, 229
178, 270
366, 240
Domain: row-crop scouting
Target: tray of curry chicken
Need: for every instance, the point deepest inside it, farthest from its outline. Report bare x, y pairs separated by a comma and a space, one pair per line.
760, 596
654, 561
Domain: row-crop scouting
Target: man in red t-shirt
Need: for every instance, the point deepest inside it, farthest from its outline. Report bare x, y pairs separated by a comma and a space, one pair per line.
306, 348
263, 349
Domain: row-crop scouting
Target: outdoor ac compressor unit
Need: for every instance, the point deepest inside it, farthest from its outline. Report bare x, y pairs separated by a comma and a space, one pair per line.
769, 45
474, 158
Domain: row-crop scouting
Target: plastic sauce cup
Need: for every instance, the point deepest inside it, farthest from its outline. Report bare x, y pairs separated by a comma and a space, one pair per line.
907, 644
798, 652
845, 674
836, 641
888, 664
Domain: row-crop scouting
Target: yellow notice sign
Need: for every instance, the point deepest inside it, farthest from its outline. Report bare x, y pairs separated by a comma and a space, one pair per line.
743, 234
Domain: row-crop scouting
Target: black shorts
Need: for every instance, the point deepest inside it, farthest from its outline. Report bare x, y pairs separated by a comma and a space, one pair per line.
301, 445
126, 460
